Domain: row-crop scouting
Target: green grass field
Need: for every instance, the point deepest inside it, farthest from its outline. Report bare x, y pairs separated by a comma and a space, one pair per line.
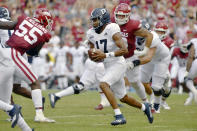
76, 113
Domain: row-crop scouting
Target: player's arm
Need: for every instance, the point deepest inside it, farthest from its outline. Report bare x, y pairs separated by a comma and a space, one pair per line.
190, 58
35, 51
119, 43
148, 57
142, 59
8, 25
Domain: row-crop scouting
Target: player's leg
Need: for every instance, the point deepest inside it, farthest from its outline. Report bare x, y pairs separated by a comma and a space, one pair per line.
6, 83
166, 92
133, 77
18, 89
146, 72
120, 92
114, 72
88, 78
189, 80
24, 71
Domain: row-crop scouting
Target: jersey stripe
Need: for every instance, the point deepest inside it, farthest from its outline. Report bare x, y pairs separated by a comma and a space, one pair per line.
31, 74
12, 53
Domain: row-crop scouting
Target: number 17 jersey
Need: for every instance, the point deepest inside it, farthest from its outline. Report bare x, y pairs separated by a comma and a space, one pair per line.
104, 40
27, 35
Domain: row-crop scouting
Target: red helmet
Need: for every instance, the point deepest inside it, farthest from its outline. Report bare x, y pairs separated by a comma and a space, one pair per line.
124, 10
161, 27
44, 17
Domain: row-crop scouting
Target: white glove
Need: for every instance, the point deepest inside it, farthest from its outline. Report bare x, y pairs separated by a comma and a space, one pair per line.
130, 65
141, 53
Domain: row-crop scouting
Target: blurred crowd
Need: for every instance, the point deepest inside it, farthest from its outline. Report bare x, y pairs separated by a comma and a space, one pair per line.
62, 58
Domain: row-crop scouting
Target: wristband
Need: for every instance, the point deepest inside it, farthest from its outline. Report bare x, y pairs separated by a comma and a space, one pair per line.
136, 63
110, 54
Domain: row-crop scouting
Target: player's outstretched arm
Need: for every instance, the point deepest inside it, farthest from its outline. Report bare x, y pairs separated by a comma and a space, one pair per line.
120, 43
190, 58
8, 25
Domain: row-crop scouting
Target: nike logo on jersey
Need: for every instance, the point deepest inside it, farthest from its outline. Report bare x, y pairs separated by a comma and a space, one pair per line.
105, 33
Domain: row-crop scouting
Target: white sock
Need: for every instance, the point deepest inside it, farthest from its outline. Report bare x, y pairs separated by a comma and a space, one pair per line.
65, 92
190, 86
157, 99
104, 100
6, 107
37, 99
143, 107
117, 111
152, 98
140, 90
22, 124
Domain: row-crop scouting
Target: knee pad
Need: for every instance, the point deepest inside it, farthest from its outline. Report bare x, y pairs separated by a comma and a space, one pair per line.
78, 87
157, 93
164, 93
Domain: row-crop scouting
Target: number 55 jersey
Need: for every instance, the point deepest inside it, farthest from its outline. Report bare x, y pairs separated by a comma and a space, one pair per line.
28, 34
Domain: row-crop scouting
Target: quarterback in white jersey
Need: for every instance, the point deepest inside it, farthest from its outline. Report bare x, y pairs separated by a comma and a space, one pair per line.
191, 68
110, 48
155, 64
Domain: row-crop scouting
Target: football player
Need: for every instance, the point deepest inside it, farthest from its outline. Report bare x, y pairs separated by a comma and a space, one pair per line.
110, 48
154, 65
29, 36
191, 68
161, 28
18, 86
129, 30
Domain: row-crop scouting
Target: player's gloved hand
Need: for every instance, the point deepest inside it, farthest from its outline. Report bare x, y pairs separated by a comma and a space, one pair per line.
130, 65
141, 53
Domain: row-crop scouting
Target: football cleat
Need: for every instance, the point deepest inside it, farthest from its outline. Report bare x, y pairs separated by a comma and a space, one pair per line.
156, 108
41, 118
53, 99
119, 120
14, 114
148, 112
165, 105
99, 107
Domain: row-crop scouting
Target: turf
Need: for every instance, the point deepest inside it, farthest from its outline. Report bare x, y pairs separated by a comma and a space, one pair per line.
76, 113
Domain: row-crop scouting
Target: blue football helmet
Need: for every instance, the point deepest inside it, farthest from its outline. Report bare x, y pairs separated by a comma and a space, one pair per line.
4, 13
102, 15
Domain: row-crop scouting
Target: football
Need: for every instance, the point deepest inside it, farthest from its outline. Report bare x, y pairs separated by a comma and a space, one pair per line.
92, 52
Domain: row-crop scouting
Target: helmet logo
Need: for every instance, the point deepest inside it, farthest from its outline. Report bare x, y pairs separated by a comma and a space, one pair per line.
103, 11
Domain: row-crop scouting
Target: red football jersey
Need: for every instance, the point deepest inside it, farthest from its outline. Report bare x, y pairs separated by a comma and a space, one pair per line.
181, 57
127, 31
168, 41
27, 35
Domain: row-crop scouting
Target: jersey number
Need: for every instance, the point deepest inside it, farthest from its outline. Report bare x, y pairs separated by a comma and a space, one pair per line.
22, 32
104, 42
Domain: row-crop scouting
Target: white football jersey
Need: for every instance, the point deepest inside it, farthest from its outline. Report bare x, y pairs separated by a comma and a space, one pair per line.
162, 50
104, 40
4, 35
194, 41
